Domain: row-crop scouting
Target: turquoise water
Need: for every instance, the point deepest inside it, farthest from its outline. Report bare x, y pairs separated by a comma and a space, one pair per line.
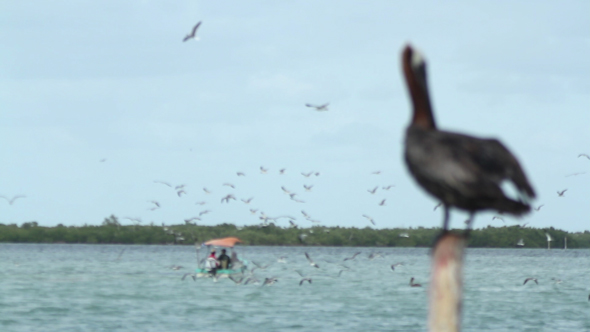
64, 287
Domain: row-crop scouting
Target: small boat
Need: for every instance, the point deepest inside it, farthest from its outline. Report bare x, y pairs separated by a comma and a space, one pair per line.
520, 243
238, 266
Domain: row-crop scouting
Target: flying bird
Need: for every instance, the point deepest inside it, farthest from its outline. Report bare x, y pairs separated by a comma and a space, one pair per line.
382, 203
307, 188
412, 284
496, 217
180, 192
247, 201
253, 211
204, 212
11, 200
164, 183
372, 191
369, 219
241, 174
227, 198
560, 193
282, 171
193, 34
263, 170
376, 172
311, 262
206, 191
528, 279
229, 185
353, 256
304, 280
307, 174
584, 155
539, 207
388, 187
319, 108
201, 203
461, 171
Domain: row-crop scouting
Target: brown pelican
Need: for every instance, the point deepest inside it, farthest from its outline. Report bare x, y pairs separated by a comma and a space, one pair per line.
319, 108
461, 171
193, 34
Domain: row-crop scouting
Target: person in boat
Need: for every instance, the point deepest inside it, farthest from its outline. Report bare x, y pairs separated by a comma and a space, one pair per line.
211, 263
224, 260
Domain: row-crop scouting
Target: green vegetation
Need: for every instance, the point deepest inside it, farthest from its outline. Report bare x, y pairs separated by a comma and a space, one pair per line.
111, 231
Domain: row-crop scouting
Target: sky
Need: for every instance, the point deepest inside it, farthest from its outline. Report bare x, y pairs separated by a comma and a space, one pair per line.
100, 99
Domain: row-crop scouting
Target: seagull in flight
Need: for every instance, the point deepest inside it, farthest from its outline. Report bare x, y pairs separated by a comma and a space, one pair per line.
206, 191
304, 280
193, 34
353, 256
376, 172
311, 262
382, 202
11, 200
227, 198
437, 206
372, 191
247, 201
496, 217
584, 155
307, 188
307, 174
319, 108
204, 212
528, 279
412, 284
539, 207
560, 193
388, 187
241, 174
229, 185
164, 183
370, 219
282, 171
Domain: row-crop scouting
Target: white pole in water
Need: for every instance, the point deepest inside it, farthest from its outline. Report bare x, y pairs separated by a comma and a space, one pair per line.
549, 239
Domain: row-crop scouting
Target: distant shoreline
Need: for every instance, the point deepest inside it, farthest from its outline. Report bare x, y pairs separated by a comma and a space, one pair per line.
112, 232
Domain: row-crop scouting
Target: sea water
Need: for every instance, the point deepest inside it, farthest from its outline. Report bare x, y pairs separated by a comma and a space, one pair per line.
63, 287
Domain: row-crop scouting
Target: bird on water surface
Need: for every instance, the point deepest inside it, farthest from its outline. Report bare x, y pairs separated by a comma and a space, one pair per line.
461, 171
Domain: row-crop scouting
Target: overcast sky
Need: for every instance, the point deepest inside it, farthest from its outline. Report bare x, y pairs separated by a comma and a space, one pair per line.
98, 99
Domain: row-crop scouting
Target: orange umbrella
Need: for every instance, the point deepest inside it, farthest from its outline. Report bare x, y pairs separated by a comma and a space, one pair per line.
228, 242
